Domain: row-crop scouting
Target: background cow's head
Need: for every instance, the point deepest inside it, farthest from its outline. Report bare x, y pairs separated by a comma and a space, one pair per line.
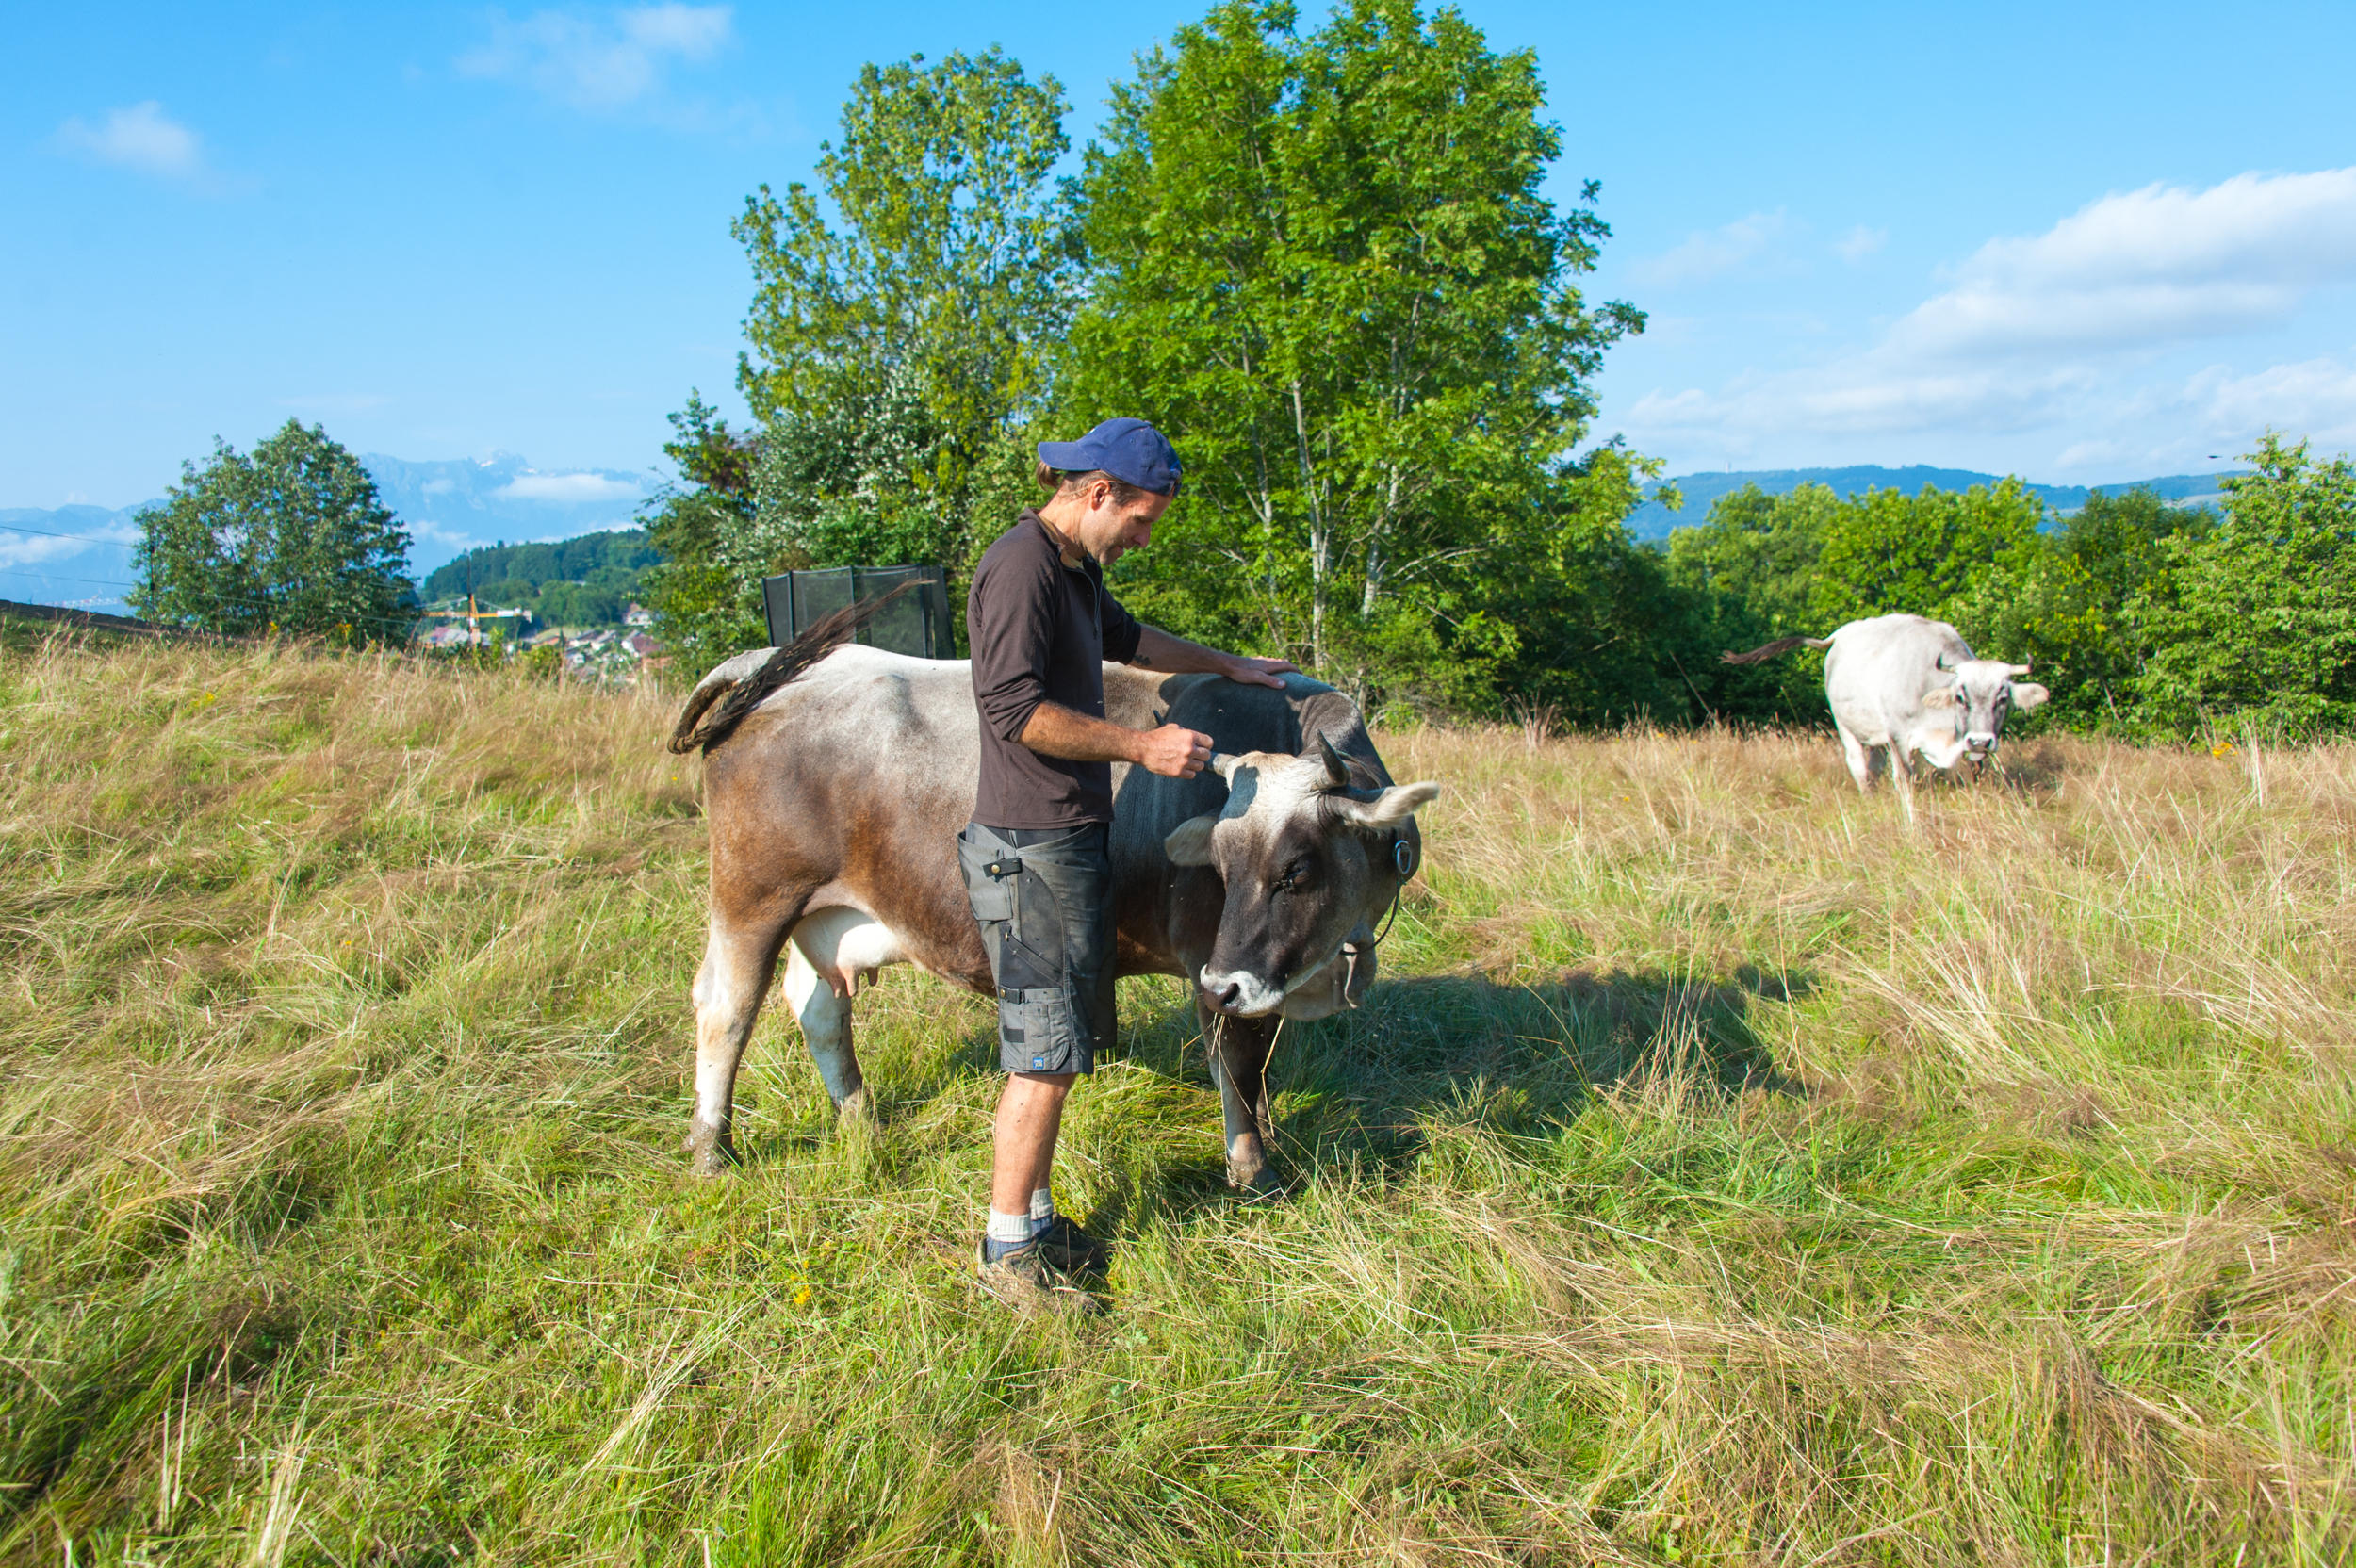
1983, 692
1310, 858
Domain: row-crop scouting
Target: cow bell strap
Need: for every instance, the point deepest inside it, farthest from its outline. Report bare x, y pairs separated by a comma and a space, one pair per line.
1355, 951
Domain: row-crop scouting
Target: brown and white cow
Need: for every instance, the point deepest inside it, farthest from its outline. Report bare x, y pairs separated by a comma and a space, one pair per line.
834, 807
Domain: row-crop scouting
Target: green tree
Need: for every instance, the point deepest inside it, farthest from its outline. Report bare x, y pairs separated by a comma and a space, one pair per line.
706, 590
291, 537
2256, 624
891, 354
1751, 567
1324, 265
1885, 552
2062, 605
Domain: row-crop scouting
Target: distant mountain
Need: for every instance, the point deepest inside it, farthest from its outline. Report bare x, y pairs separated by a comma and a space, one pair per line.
1653, 520
448, 508
458, 505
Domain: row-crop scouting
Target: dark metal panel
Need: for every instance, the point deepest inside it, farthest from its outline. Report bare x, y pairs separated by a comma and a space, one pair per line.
918, 624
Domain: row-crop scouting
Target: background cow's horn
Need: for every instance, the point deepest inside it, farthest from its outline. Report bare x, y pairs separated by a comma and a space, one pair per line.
1336, 765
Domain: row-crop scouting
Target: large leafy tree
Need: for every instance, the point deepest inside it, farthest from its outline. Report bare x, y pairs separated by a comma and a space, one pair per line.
706, 590
2256, 622
1324, 264
901, 309
291, 538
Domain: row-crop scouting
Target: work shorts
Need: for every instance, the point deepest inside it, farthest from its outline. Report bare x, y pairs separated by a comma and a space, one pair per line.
1043, 897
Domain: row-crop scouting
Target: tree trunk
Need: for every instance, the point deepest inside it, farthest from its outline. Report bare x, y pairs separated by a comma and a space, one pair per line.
1321, 536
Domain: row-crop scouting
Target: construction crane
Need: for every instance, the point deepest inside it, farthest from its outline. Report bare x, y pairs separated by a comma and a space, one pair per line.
474, 616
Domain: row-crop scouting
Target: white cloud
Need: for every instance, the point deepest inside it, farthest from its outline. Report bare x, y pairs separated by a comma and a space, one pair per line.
2153, 266
567, 487
2314, 398
2073, 337
1713, 252
600, 63
1860, 242
28, 549
140, 137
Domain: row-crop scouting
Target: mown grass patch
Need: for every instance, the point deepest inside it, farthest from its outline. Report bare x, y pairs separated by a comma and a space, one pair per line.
1720, 1174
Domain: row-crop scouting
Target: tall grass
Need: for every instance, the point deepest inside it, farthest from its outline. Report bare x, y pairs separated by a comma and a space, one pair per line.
1721, 1175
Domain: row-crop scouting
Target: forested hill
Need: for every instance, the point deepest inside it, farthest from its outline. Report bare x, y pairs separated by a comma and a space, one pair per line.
583, 581
1653, 520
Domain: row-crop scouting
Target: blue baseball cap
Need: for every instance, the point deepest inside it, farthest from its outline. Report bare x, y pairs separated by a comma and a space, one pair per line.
1131, 450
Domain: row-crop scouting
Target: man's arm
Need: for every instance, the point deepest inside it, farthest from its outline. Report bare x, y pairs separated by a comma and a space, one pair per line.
1158, 651
1173, 750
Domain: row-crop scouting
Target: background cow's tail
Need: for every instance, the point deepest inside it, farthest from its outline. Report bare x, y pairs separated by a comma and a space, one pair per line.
1776, 649
721, 699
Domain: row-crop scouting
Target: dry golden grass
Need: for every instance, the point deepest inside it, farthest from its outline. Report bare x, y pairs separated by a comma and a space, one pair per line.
1722, 1174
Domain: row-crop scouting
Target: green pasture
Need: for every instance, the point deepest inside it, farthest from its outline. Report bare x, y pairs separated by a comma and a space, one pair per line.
1721, 1174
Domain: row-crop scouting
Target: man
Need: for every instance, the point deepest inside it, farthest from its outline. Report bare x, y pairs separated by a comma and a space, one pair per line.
1036, 871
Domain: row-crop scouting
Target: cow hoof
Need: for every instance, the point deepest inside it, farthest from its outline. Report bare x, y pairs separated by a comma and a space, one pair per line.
1260, 1185
855, 1106
713, 1150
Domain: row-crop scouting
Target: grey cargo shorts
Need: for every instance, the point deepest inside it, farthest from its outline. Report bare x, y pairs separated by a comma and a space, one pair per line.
1043, 897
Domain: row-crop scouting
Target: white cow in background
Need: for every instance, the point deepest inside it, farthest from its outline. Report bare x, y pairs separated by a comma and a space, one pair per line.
1905, 684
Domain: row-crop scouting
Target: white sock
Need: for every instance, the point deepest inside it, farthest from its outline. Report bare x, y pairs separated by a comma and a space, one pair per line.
1042, 1210
1010, 1230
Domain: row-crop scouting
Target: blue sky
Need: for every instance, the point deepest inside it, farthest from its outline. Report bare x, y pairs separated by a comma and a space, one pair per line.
2081, 243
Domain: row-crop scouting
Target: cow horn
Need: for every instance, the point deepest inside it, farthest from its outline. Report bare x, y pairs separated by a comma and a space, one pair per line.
1336, 765
1223, 763
2018, 669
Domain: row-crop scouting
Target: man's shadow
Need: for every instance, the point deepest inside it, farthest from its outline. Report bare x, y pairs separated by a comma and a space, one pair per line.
1363, 1092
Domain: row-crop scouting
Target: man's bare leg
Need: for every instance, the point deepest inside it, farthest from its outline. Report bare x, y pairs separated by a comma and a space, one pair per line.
1030, 1114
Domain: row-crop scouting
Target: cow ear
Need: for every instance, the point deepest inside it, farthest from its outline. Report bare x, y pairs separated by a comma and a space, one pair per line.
1389, 808
2027, 695
1189, 843
1939, 697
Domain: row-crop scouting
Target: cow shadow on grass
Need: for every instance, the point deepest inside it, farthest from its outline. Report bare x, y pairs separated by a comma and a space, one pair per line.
1365, 1092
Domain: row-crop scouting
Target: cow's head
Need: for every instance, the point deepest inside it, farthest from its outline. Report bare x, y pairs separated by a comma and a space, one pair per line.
1310, 859
1982, 693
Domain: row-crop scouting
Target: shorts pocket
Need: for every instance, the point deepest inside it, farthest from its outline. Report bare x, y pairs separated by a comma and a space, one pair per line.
991, 899
1039, 1030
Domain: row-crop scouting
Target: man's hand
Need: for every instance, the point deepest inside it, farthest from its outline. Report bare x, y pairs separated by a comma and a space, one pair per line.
1174, 751
1257, 672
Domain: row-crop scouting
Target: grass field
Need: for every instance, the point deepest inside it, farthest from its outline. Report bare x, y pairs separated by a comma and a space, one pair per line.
1721, 1175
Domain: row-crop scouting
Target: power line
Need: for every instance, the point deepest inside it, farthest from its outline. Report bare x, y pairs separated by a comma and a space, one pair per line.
52, 534
62, 577
242, 604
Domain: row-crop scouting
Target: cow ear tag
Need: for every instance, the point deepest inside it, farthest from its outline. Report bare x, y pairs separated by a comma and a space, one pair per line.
1402, 855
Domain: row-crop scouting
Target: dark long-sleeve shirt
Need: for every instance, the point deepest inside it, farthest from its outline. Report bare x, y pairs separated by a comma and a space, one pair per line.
1040, 631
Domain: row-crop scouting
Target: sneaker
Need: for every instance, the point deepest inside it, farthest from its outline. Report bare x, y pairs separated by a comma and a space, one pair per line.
1068, 1249
1024, 1279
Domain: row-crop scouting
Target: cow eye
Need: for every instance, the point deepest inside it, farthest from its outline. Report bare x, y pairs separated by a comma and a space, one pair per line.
1293, 876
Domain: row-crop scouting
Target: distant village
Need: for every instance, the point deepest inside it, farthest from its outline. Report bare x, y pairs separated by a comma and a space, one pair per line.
609, 656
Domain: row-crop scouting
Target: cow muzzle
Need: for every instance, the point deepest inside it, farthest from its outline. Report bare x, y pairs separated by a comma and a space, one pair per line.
1239, 993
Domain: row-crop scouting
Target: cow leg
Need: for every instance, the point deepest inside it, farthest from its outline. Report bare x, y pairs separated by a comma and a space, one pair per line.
1902, 775
1239, 1049
827, 1028
1861, 757
738, 962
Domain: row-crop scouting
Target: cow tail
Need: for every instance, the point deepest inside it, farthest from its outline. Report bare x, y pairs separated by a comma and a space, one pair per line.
1776, 649
716, 707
